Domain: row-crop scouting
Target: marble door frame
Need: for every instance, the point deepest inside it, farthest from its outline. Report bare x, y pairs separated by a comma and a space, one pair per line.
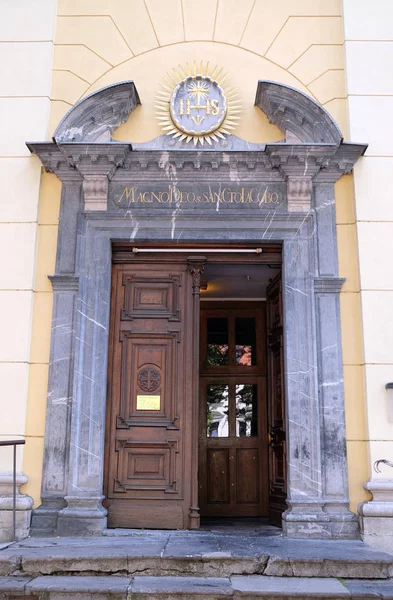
304, 168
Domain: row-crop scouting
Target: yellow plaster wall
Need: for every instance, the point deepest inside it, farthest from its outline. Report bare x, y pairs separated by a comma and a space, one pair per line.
351, 330
26, 55
99, 42
48, 217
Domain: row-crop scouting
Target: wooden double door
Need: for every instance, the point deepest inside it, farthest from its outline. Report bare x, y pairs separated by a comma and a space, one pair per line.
168, 419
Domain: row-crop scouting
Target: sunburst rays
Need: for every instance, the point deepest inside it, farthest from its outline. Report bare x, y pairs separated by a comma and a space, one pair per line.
199, 90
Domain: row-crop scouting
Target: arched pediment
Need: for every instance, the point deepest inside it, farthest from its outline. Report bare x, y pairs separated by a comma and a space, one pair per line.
96, 117
298, 116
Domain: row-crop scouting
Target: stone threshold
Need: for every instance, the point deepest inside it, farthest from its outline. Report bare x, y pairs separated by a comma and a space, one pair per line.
200, 554
187, 588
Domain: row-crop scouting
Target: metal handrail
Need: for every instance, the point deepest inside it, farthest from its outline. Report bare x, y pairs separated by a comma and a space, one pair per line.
13, 443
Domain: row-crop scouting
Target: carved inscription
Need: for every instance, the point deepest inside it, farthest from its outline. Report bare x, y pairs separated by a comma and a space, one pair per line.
225, 196
222, 195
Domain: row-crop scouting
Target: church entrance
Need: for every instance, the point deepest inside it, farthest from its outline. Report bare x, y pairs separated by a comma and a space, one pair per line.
184, 208
195, 412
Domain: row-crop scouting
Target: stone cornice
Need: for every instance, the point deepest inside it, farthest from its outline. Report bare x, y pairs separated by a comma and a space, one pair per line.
54, 160
75, 160
227, 144
328, 285
321, 162
64, 282
97, 158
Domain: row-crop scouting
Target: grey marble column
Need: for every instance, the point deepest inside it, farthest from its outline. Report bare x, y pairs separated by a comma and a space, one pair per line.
84, 513
330, 370
304, 517
60, 384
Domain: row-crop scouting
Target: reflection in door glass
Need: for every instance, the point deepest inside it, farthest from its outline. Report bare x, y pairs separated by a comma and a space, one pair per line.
217, 341
245, 339
246, 410
217, 410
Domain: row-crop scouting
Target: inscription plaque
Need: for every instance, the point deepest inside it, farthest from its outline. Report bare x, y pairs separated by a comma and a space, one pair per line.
148, 402
225, 195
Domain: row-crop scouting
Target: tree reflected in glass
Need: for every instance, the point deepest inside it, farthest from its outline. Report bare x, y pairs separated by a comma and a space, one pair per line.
217, 410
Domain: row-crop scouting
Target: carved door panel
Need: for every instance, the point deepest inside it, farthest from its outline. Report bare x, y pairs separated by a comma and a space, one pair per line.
149, 409
276, 402
232, 428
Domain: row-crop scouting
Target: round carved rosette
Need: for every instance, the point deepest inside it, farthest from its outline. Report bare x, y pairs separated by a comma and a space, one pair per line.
149, 379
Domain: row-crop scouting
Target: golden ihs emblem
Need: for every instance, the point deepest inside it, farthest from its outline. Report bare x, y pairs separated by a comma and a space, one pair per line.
197, 103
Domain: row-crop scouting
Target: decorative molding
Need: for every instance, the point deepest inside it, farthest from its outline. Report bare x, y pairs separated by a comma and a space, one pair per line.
54, 160
229, 143
196, 267
96, 117
299, 190
328, 285
149, 379
275, 162
296, 114
23, 505
94, 158
95, 192
381, 504
376, 516
64, 282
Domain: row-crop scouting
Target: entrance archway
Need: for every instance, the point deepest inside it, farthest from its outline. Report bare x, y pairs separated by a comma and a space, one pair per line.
161, 193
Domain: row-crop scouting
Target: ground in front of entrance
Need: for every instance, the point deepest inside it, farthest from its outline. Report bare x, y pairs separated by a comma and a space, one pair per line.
208, 564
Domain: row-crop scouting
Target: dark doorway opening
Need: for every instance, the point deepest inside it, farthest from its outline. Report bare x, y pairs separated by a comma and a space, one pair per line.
242, 466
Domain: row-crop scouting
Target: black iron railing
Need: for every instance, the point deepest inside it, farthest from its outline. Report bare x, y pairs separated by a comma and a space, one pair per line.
13, 443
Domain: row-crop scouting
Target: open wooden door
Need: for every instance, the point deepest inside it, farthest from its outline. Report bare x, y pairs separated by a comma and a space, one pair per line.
148, 461
232, 421
276, 402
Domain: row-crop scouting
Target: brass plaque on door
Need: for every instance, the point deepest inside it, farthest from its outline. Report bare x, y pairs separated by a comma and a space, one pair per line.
148, 402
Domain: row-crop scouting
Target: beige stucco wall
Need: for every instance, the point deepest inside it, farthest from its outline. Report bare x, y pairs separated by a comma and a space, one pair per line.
368, 31
26, 55
99, 42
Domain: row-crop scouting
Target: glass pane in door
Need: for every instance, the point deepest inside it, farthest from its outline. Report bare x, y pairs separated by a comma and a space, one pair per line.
246, 410
217, 342
217, 410
245, 340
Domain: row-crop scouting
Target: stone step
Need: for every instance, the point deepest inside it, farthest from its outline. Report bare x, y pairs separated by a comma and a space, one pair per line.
192, 588
187, 554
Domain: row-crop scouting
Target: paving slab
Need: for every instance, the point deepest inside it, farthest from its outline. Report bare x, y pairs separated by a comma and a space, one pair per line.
370, 589
328, 558
15, 585
288, 587
207, 556
199, 553
88, 556
189, 588
197, 545
166, 588
80, 588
